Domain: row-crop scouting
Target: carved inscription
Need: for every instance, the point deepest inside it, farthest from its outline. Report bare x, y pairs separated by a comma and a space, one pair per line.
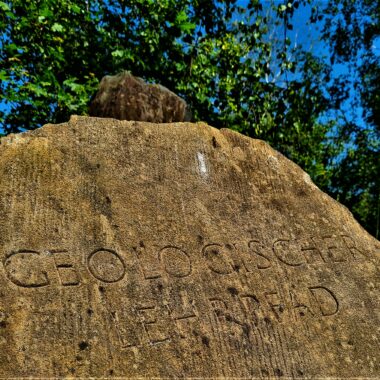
295, 305
155, 323
31, 269
178, 315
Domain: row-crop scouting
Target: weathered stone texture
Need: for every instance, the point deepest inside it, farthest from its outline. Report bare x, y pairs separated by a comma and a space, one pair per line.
133, 249
126, 97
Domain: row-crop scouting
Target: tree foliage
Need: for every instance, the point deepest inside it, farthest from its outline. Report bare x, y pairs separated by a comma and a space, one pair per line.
228, 67
352, 29
235, 65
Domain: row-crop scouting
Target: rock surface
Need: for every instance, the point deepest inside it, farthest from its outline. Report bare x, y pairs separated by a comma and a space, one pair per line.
134, 249
125, 97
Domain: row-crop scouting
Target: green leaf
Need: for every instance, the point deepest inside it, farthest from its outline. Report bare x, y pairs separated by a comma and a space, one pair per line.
187, 27
75, 8
181, 17
10, 15
46, 12
37, 90
3, 75
75, 87
57, 27
118, 53
4, 6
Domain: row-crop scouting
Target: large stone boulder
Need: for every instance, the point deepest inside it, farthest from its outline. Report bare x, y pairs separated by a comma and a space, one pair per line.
133, 249
126, 97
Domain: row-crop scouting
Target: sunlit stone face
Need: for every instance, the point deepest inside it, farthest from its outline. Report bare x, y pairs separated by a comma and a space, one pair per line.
134, 249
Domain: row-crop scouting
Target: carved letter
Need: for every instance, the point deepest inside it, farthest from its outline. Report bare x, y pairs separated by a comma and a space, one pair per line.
219, 306
300, 306
252, 305
334, 249
106, 265
326, 300
176, 262
182, 311
283, 250
68, 275
126, 328
153, 327
350, 244
275, 303
148, 262
256, 248
309, 247
23, 268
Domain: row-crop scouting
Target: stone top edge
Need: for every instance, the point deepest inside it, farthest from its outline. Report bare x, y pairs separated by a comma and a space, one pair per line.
84, 120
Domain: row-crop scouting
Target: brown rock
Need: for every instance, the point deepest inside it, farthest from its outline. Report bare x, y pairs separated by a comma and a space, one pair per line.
126, 97
133, 249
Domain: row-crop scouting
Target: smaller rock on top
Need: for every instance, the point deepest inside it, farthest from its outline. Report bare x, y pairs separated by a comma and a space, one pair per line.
126, 97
